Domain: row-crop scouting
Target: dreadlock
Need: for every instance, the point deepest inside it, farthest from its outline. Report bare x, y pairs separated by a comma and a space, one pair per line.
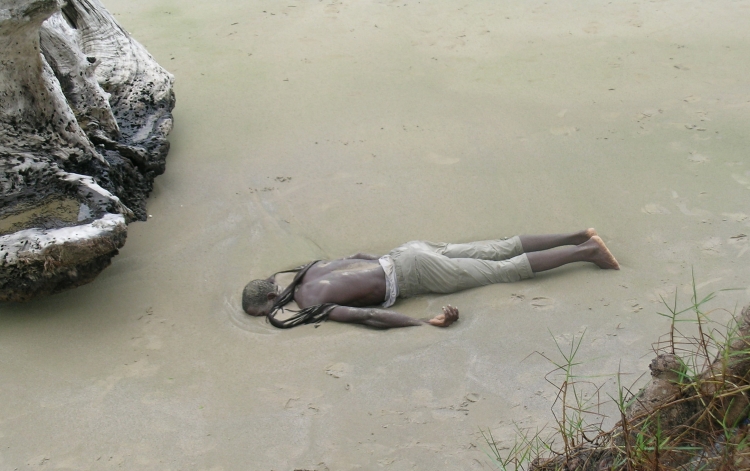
308, 315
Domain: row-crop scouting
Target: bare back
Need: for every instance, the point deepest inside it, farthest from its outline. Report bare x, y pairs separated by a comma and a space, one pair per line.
347, 282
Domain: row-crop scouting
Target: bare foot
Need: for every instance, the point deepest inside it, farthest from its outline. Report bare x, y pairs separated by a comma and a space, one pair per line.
448, 317
582, 236
590, 232
602, 257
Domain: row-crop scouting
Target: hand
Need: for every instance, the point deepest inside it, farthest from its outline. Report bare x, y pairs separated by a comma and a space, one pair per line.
448, 317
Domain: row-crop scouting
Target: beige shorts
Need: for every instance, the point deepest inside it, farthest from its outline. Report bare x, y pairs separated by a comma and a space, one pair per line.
427, 267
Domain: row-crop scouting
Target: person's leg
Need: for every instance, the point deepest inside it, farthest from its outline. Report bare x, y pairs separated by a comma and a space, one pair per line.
535, 243
504, 249
498, 249
593, 250
422, 271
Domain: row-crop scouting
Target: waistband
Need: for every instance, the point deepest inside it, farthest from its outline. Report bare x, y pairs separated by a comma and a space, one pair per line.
391, 283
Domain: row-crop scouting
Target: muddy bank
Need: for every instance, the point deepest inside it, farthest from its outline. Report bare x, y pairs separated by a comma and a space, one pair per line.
691, 415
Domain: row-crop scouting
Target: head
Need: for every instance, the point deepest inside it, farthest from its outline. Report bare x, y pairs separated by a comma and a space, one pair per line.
258, 297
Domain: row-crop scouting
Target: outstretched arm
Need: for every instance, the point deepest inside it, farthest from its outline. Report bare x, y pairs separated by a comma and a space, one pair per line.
363, 256
386, 319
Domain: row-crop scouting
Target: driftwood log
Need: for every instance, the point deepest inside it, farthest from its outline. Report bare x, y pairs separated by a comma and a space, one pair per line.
84, 115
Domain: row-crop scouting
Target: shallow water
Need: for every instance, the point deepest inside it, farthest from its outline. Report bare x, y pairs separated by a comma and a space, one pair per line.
309, 130
63, 211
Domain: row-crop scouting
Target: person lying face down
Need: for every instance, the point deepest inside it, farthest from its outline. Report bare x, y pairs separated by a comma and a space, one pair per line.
348, 289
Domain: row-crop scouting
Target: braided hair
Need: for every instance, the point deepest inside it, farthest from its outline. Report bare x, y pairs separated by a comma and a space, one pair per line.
308, 315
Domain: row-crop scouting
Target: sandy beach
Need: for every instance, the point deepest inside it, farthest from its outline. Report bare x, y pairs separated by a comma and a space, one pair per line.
309, 130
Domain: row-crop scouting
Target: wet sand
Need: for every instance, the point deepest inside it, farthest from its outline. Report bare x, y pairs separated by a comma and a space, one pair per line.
311, 130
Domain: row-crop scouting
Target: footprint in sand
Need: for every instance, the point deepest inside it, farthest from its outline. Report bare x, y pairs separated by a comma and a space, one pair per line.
682, 205
698, 158
736, 217
473, 397
542, 303
662, 294
592, 28
653, 208
633, 305
337, 370
712, 246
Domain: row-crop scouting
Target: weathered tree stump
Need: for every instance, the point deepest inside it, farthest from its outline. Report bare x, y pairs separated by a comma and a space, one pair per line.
84, 115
